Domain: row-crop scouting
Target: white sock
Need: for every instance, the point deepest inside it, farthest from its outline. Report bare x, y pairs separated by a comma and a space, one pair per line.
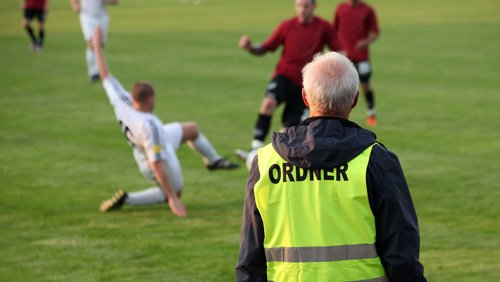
150, 196
203, 146
256, 144
91, 63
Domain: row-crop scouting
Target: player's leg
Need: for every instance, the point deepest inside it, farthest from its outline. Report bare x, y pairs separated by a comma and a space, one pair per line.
370, 98
295, 110
179, 133
272, 99
28, 16
263, 123
153, 195
41, 29
89, 25
365, 71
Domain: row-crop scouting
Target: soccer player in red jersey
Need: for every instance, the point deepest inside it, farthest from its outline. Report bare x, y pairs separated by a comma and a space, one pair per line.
355, 24
32, 9
301, 37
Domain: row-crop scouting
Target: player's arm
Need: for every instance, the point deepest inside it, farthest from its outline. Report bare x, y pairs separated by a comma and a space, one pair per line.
174, 202
246, 44
363, 43
75, 4
372, 33
96, 43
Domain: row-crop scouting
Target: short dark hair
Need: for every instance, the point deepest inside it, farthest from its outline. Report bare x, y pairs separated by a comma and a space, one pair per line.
141, 91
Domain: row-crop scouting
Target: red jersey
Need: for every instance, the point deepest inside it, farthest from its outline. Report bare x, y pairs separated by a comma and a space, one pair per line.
35, 4
353, 23
300, 43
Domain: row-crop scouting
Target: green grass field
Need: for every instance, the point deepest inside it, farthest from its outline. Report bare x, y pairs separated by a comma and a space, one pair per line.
436, 77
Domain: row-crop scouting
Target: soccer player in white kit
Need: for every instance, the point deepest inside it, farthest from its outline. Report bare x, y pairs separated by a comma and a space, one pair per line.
92, 13
154, 144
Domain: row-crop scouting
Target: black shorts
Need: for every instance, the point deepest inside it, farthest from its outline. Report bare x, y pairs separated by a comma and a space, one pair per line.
32, 13
282, 90
364, 69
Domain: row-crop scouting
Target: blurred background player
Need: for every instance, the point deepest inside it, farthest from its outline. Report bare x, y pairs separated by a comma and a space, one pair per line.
154, 144
92, 13
301, 37
355, 24
32, 9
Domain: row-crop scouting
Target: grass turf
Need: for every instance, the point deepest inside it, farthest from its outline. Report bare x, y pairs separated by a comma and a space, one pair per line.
61, 153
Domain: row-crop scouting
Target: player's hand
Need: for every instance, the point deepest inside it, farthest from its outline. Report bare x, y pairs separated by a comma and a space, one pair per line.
177, 207
245, 42
76, 6
361, 44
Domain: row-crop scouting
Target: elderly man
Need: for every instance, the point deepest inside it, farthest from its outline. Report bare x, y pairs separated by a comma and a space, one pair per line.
326, 201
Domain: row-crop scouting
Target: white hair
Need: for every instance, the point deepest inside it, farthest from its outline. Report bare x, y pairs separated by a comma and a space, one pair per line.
331, 83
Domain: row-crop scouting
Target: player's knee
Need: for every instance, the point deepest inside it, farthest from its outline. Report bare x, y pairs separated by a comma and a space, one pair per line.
190, 130
268, 106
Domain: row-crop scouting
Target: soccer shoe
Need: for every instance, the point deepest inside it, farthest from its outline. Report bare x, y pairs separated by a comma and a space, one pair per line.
115, 202
94, 78
222, 164
371, 121
241, 155
32, 47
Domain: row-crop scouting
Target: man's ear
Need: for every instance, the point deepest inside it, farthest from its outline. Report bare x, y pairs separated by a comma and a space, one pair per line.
304, 97
355, 100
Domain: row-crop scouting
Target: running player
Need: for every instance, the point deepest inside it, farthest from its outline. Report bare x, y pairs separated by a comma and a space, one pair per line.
356, 26
35, 9
301, 37
92, 13
154, 144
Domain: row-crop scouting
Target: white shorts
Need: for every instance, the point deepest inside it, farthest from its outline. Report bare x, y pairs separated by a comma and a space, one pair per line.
173, 133
89, 23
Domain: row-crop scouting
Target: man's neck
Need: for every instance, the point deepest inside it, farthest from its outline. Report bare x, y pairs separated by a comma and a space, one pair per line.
141, 108
354, 3
320, 114
306, 21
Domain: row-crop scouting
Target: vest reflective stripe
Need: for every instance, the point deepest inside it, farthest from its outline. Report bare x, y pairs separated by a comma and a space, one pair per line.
380, 279
321, 254
318, 225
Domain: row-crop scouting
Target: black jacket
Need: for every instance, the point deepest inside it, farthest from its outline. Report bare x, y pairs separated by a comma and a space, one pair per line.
329, 142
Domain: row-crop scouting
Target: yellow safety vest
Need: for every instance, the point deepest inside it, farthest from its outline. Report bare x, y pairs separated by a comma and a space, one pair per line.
318, 225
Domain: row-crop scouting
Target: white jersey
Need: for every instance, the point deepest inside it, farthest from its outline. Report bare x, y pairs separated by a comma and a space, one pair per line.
144, 131
150, 139
93, 7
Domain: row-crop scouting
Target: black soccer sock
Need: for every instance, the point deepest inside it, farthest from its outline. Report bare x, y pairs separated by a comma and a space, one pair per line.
370, 100
30, 32
41, 36
262, 127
